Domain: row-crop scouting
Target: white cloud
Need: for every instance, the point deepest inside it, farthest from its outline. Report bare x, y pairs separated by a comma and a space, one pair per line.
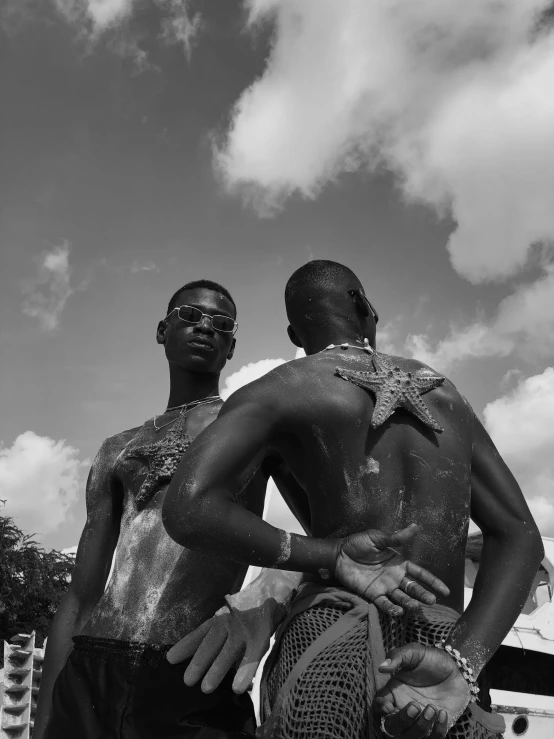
39, 480
524, 323
96, 17
249, 373
521, 425
179, 26
101, 14
139, 265
47, 294
454, 98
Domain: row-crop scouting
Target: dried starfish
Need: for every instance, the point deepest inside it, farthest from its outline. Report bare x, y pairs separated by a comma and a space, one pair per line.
393, 388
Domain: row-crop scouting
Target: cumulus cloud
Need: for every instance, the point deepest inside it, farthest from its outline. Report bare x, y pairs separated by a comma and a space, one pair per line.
39, 480
179, 26
100, 14
454, 98
47, 293
96, 18
522, 426
524, 323
249, 373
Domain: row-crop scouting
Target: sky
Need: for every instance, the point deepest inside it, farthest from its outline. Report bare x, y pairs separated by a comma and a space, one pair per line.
146, 143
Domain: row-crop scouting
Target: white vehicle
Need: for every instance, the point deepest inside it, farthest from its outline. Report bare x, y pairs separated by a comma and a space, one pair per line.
521, 673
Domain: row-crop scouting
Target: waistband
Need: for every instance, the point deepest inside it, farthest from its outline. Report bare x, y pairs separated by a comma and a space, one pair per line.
151, 654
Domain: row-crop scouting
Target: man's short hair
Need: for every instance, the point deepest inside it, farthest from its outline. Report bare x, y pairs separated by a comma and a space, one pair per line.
318, 275
208, 284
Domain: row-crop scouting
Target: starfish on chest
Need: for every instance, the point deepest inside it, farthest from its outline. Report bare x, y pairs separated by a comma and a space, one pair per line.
394, 388
162, 458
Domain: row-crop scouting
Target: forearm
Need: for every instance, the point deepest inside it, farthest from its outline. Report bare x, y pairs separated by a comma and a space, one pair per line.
211, 523
67, 622
506, 572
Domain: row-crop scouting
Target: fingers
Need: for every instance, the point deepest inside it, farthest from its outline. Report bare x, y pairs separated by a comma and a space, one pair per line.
220, 666
407, 657
417, 592
414, 723
397, 722
189, 644
423, 725
441, 727
425, 577
204, 657
403, 599
387, 606
247, 670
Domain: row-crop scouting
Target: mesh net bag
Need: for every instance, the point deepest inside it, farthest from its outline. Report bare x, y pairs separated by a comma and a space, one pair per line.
330, 698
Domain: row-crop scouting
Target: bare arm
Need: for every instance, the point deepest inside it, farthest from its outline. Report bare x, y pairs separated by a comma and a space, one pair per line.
512, 553
92, 566
200, 511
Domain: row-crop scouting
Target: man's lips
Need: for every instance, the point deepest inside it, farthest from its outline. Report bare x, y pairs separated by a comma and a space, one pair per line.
200, 343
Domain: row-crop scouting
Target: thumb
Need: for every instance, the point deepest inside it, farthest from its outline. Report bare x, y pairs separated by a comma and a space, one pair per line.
407, 657
402, 537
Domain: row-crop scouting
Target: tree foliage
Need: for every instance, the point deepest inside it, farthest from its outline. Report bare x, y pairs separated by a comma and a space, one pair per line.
32, 582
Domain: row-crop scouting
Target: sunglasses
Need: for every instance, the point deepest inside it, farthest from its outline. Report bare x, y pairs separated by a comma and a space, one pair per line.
357, 295
190, 314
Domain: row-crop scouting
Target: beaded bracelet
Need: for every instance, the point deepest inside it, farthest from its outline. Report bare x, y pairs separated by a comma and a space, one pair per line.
464, 667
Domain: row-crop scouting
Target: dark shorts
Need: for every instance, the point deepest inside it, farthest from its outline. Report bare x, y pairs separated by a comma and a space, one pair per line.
110, 689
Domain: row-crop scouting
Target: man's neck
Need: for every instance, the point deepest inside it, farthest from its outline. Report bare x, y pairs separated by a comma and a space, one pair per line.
321, 340
186, 386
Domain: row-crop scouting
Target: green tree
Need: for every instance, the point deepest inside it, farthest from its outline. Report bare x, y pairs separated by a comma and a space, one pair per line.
32, 582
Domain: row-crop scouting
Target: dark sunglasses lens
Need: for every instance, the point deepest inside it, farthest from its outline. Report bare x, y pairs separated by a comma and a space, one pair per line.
190, 314
223, 323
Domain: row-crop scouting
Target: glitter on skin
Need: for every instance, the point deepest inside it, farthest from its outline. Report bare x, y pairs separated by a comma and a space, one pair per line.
284, 549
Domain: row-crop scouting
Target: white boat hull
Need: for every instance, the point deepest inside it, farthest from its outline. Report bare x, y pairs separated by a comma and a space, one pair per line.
526, 715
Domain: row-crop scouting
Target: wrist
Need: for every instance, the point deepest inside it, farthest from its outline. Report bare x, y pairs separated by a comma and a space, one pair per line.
464, 666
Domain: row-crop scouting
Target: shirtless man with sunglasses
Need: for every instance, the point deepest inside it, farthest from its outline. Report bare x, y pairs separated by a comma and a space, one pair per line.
106, 673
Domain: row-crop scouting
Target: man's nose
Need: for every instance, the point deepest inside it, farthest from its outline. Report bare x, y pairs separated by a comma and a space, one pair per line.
205, 325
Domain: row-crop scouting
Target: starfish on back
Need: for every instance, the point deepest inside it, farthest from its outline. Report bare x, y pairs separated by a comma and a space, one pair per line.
393, 388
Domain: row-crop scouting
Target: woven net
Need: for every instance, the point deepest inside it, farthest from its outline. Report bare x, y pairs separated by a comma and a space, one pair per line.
330, 698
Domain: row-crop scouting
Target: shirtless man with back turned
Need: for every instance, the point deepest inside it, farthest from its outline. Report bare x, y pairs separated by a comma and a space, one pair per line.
374, 441
106, 675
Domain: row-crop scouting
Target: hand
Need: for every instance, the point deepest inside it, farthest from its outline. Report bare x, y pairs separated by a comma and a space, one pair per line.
242, 629
426, 676
413, 722
367, 565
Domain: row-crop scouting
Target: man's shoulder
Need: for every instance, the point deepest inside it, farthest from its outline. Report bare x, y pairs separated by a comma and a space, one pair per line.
410, 364
114, 445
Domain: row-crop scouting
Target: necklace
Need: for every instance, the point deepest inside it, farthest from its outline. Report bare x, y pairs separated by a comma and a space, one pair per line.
162, 457
185, 408
365, 348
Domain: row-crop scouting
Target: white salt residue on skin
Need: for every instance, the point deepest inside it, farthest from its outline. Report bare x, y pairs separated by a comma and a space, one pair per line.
371, 468
143, 554
284, 548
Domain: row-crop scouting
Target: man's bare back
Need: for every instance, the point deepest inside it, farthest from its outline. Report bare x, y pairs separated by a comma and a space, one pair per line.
157, 592
358, 477
430, 463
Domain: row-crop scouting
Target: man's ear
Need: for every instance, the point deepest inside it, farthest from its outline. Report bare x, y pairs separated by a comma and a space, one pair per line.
161, 332
232, 349
293, 337
361, 305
